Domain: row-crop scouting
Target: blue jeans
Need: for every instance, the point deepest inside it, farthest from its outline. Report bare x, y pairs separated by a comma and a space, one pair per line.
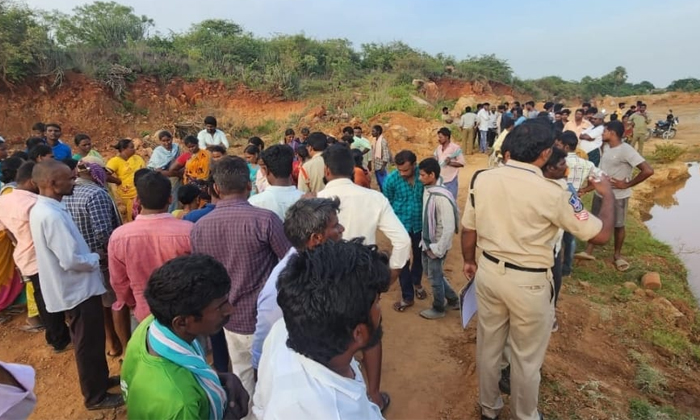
412, 273
483, 140
381, 177
441, 287
568, 248
453, 187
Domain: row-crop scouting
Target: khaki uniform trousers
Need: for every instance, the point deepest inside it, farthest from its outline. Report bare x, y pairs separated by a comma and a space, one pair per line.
638, 142
518, 307
468, 140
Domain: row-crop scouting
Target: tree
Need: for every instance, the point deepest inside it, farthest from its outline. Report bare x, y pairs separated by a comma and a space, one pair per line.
22, 42
690, 84
104, 25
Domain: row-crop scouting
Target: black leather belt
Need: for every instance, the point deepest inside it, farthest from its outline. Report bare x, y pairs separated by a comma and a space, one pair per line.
513, 266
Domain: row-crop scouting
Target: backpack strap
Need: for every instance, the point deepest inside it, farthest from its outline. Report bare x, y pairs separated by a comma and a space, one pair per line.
471, 185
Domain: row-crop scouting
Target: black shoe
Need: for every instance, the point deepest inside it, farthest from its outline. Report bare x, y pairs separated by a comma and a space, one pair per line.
113, 381
504, 383
110, 401
483, 417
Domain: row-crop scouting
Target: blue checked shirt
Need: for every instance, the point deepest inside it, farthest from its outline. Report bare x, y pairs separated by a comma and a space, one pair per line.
94, 212
406, 200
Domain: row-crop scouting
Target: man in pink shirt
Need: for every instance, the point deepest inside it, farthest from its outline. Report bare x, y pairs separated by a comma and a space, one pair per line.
14, 217
136, 249
451, 158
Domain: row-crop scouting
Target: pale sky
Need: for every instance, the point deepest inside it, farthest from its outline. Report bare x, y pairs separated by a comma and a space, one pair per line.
653, 40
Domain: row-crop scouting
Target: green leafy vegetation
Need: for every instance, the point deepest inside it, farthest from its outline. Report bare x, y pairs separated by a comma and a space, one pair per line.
643, 410
98, 38
667, 153
648, 379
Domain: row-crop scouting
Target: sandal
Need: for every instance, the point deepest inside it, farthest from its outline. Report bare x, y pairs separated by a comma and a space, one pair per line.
114, 355
421, 294
621, 264
584, 256
386, 400
401, 306
32, 328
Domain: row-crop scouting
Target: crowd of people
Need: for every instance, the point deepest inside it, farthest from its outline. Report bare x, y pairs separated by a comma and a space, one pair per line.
268, 261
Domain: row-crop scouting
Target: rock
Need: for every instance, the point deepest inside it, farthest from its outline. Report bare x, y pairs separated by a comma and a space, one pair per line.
397, 132
418, 83
430, 90
584, 285
666, 308
651, 280
639, 292
650, 293
630, 285
420, 101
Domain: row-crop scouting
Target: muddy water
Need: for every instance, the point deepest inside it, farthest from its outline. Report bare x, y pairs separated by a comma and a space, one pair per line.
675, 219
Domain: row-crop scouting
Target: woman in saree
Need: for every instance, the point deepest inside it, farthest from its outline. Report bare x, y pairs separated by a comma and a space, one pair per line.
196, 162
124, 166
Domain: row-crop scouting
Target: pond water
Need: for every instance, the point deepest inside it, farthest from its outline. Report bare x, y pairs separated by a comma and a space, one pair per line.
674, 220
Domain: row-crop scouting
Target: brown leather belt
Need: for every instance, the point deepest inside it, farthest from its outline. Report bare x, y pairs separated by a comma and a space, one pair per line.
513, 266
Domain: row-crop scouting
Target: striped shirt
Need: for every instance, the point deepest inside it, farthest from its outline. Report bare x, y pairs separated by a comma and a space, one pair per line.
406, 200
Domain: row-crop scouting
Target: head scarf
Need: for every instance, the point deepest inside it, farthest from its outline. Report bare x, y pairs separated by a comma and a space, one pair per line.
97, 173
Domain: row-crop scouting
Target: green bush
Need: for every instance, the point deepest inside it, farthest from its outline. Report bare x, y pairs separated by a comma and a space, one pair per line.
667, 153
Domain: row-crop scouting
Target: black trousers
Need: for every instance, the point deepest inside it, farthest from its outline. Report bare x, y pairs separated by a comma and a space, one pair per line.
88, 335
57, 334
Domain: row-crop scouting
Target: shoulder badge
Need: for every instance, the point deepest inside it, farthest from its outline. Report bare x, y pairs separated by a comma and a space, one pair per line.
576, 203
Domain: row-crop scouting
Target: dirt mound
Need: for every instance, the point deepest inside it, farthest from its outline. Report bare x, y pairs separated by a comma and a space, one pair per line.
404, 131
84, 105
451, 88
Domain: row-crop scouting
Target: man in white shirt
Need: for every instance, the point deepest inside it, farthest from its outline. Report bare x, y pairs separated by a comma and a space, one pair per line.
362, 212
281, 194
331, 311
309, 223
467, 123
483, 119
592, 138
362, 144
71, 281
211, 136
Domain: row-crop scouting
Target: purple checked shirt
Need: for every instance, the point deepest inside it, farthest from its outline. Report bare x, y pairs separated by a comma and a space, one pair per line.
249, 242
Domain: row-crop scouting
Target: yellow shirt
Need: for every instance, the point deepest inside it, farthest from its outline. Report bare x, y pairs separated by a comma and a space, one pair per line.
125, 170
197, 166
536, 208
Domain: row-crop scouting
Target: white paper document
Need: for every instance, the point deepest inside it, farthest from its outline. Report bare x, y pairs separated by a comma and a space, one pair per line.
468, 303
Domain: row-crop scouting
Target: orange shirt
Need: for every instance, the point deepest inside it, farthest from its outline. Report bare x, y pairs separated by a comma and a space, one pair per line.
360, 177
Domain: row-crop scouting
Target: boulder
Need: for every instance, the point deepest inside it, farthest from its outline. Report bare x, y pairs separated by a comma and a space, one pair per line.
398, 133
431, 91
651, 280
584, 285
420, 101
418, 83
666, 308
630, 285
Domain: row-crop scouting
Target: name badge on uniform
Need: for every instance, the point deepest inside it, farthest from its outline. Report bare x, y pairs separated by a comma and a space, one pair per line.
576, 203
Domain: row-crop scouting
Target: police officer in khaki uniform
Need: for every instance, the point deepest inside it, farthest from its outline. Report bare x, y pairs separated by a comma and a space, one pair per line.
513, 214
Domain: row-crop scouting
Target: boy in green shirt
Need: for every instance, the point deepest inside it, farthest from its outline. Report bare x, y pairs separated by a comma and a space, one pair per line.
165, 374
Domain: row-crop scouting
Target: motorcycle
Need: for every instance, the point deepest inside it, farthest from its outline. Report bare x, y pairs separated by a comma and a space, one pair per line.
665, 129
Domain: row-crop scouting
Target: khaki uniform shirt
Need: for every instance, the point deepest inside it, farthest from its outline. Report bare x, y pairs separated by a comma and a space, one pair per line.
517, 213
311, 178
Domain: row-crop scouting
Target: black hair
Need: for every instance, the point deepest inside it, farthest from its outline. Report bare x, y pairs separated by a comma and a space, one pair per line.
531, 103
32, 142
378, 129
210, 120
566, 111
231, 174
430, 166
302, 151
140, 173
548, 105
123, 144
348, 139
24, 172
568, 138
468, 109
613, 117
10, 166
318, 141
554, 159
543, 114
40, 126
257, 141
348, 130
405, 156
529, 140
357, 127
616, 127
326, 292
38, 151
70, 162
80, 137
20, 154
331, 140
444, 108
309, 216
445, 132
592, 111
581, 110
185, 286
508, 122
516, 104
217, 148
339, 161
278, 159
518, 112
586, 104
186, 194
289, 132
54, 125
305, 131
357, 156
501, 107
153, 190
164, 133
191, 140
251, 149
558, 107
